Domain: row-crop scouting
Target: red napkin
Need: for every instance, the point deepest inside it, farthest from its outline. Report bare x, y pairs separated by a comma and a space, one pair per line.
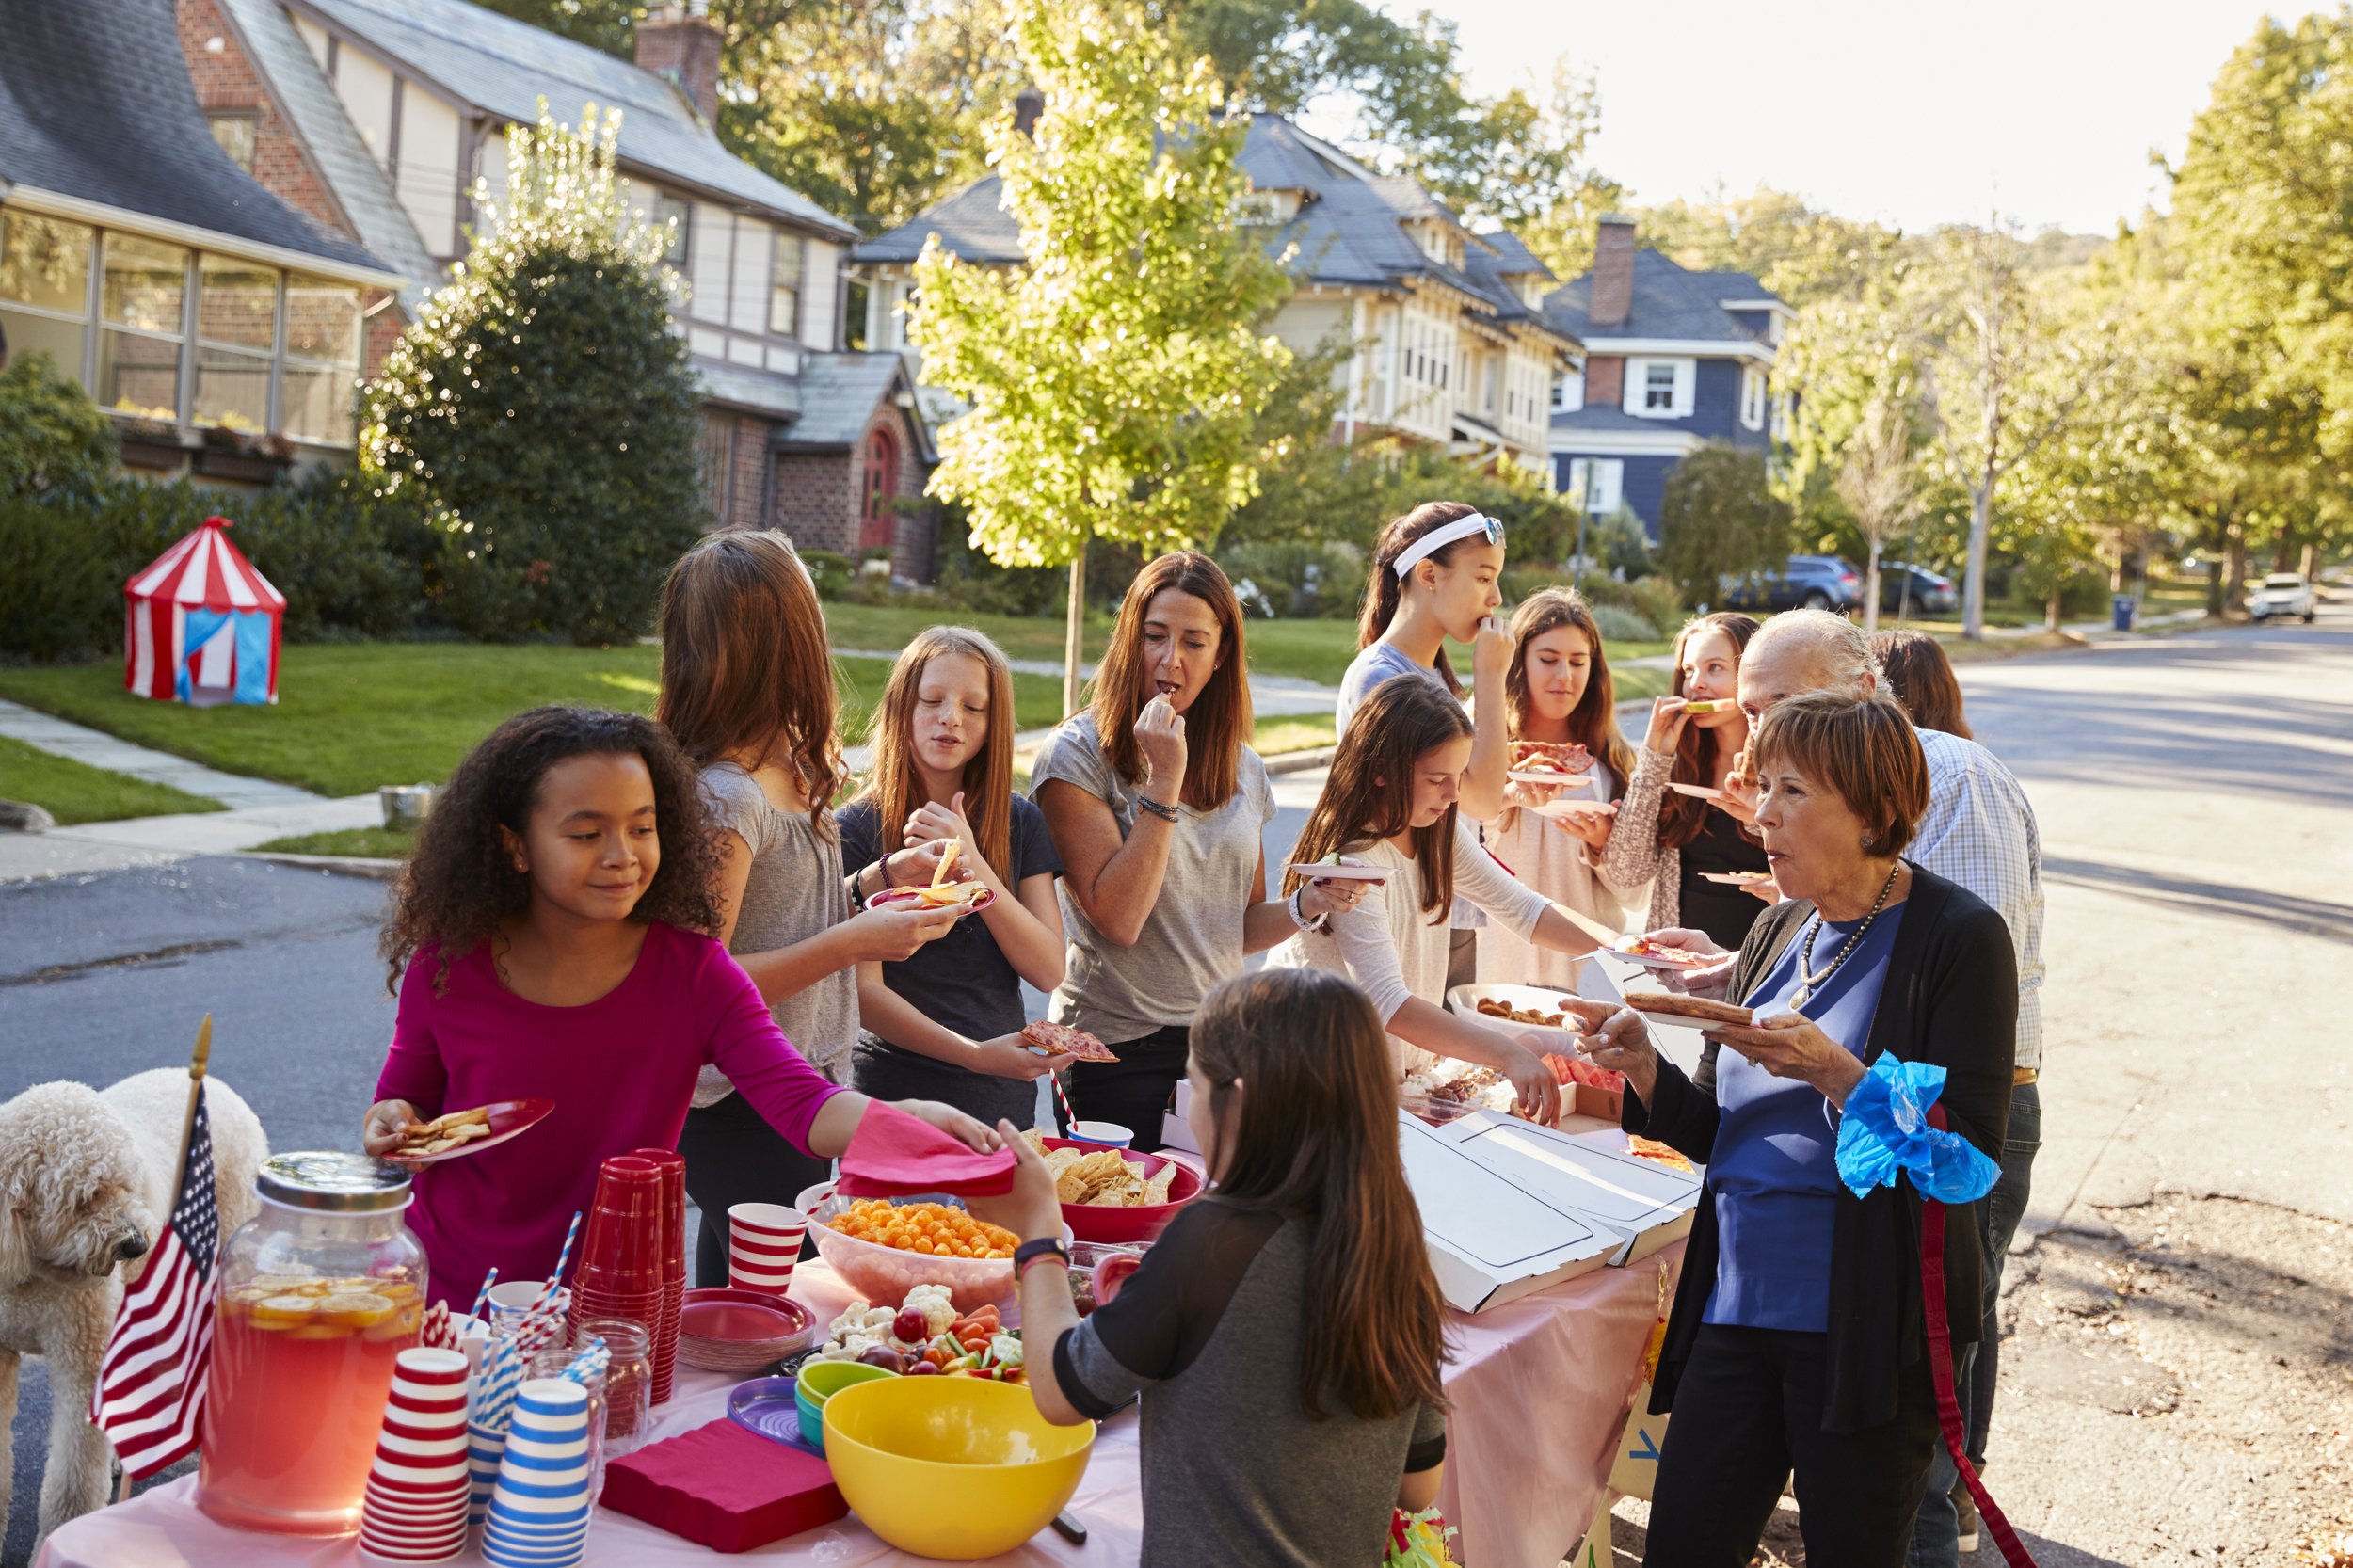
727, 1488
893, 1154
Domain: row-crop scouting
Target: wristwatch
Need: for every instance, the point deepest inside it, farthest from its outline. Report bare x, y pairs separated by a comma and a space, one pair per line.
1030, 1252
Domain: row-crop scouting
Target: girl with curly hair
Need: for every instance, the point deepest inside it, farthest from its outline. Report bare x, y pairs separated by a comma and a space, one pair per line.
553, 935
748, 690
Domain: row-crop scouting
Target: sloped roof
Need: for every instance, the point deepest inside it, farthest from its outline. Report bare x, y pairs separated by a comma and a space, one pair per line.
841, 393
778, 396
504, 67
1669, 302
1511, 256
95, 103
356, 180
1348, 231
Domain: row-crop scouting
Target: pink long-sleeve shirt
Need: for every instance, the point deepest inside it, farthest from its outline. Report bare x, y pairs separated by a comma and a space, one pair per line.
620, 1070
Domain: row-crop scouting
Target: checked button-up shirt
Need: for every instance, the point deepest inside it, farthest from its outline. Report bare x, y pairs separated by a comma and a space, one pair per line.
1979, 831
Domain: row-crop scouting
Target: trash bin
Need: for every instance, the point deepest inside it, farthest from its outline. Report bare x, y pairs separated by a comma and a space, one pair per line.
2126, 609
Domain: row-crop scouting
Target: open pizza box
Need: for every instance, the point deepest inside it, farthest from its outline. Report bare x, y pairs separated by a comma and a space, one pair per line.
1493, 1239
1644, 1202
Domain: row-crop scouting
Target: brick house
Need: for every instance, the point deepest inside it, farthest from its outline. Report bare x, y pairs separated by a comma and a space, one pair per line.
1673, 358
218, 324
1452, 346
377, 118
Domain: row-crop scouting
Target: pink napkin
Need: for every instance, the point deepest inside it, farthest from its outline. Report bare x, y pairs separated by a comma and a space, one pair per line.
893, 1154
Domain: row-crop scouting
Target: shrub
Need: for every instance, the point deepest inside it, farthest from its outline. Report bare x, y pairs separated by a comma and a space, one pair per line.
53, 439
1656, 599
1718, 520
542, 410
1620, 625
1303, 580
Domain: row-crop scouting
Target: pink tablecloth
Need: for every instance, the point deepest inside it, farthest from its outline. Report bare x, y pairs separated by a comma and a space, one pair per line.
1538, 1386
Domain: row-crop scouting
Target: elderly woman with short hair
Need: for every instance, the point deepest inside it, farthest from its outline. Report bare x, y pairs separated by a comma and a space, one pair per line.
1796, 1339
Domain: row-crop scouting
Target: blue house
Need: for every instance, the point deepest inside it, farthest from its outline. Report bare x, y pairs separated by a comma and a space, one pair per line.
1672, 358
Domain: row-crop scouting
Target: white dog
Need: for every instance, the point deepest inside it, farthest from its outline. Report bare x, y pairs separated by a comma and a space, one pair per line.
85, 1183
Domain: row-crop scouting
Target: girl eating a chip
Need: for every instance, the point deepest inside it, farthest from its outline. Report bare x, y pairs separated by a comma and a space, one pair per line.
1392, 805
1564, 712
553, 936
747, 689
945, 1022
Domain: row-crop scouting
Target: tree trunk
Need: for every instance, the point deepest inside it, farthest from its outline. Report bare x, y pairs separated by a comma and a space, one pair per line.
1973, 578
2234, 585
2310, 564
1074, 632
2214, 585
1871, 591
2051, 615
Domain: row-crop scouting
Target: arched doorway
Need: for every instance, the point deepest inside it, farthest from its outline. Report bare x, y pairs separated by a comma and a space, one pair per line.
878, 489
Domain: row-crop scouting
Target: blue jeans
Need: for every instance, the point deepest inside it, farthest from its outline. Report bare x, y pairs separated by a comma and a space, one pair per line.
1935, 1534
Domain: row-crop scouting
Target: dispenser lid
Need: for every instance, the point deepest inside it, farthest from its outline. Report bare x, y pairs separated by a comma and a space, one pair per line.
330, 1182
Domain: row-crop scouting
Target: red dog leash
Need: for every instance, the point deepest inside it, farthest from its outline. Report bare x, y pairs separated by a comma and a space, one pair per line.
1941, 1371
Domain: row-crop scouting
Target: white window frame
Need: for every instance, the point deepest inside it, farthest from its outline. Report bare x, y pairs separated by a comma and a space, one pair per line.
1679, 393
1751, 397
1598, 484
1568, 393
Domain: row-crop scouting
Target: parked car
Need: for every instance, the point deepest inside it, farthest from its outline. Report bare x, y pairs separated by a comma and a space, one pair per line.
1809, 582
1932, 592
2283, 593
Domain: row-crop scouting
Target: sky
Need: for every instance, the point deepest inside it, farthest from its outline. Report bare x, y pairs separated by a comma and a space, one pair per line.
1912, 112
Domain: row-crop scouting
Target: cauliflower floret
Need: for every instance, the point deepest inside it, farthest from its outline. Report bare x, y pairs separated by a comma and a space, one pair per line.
937, 1307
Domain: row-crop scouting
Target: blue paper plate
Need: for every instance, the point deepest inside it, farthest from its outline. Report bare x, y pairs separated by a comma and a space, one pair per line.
769, 1407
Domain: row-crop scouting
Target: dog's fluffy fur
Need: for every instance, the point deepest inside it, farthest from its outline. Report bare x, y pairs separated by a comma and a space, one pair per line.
86, 1184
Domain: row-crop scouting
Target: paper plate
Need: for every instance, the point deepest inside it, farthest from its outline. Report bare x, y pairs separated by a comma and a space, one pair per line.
1680, 961
1559, 808
1325, 871
1554, 780
893, 898
508, 1119
1698, 791
1736, 879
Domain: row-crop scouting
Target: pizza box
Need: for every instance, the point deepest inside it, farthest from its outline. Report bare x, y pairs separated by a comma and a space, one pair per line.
1491, 1239
1589, 1174
1176, 1133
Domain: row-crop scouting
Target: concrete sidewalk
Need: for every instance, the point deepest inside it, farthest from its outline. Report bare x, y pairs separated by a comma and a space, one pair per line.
106, 846
80, 743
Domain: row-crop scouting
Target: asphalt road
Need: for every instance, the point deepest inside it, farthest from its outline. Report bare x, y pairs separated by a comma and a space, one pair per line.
2196, 797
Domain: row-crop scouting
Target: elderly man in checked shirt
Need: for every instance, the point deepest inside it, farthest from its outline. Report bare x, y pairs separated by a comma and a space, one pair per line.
1980, 832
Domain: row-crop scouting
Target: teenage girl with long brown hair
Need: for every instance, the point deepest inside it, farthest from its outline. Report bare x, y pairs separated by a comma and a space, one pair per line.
1560, 693
1670, 842
1157, 805
1390, 804
747, 689
1286, 1333
945, 1023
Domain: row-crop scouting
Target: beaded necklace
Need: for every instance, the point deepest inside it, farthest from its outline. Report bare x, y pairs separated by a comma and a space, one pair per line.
1807, 979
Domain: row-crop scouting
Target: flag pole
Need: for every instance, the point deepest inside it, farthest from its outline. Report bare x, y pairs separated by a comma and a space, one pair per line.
179, 1170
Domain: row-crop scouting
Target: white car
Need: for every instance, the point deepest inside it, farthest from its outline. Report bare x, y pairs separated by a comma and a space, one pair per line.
2283, 593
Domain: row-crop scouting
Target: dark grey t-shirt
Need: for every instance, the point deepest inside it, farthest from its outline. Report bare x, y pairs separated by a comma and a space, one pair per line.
961, 980
1207, 1331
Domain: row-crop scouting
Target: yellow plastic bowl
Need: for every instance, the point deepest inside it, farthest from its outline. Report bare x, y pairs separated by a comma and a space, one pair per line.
952, 1467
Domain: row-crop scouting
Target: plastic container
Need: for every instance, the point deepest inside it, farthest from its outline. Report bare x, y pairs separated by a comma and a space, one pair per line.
319, 1294
2123, 609
882, 1273
952, 1467
1098, 1222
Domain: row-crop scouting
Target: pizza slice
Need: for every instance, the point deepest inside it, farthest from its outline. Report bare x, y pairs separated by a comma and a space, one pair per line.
1549, 756
1697, 1009
1061, 1039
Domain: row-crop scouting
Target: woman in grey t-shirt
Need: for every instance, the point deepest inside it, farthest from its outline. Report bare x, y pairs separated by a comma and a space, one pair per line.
1158, 808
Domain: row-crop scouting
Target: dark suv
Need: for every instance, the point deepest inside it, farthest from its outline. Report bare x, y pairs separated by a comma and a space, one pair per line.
1932, 592
1808, 581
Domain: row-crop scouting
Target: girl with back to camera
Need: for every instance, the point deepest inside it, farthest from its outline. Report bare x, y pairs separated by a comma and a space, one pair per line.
945, 1022
1563, 707
747, 689
553, 936
1284, 1334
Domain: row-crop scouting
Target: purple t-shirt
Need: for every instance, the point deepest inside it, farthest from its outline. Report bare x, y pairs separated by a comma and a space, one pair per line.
620, 1070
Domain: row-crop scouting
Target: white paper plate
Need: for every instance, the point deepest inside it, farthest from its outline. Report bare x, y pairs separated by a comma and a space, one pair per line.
1325, 871
903, 898
1576, 808
1698, 791
1680, 965
1552, 780
1736, 879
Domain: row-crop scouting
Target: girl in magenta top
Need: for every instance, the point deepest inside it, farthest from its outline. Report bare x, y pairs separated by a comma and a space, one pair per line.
553, 929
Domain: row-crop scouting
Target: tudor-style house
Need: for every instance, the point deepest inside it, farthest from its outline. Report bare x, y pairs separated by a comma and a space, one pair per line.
1673, 358
1452, 347
375, 117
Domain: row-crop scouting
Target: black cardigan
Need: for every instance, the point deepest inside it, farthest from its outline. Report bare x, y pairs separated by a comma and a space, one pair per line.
1950, 997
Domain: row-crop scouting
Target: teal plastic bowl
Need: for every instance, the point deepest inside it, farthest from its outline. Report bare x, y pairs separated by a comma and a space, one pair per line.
820, 1381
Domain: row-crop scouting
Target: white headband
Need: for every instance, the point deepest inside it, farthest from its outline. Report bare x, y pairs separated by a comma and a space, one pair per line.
1441, 537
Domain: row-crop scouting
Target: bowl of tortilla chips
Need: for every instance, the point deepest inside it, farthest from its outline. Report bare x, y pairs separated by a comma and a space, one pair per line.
1115, 1194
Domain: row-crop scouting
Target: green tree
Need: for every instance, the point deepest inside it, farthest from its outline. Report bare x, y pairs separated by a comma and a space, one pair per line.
1116, 377
544, 407
54, 441
1718, 520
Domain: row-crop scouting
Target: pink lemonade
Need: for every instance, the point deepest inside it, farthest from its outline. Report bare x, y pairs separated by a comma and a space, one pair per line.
301, 1368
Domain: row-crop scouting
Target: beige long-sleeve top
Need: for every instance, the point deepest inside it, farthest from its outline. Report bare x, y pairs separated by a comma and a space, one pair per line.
1386, 944
1634, 863
1549, 858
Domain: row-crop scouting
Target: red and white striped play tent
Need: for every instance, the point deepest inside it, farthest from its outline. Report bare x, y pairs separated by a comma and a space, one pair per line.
203, 625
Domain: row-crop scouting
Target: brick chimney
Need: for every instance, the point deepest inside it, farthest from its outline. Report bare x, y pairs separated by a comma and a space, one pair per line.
1612, 298
681, 44
1027, 106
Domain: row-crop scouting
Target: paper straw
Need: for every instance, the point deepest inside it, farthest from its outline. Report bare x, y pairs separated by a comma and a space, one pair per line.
562, 1260
436, 1333
482, 1297
589, 1363
1070, 1118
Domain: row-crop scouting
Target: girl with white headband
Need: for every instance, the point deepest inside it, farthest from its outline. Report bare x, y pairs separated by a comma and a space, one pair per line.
1435, 575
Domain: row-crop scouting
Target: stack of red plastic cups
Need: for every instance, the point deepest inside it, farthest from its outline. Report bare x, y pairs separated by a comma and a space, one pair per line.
665, 1339
621, 1272
414, 1510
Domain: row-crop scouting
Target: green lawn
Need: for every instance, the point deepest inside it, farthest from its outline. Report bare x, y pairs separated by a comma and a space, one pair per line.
75, 792
368, 843
1317, 650
353, 715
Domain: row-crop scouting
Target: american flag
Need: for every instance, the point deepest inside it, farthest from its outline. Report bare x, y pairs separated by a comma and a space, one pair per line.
150, 1385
